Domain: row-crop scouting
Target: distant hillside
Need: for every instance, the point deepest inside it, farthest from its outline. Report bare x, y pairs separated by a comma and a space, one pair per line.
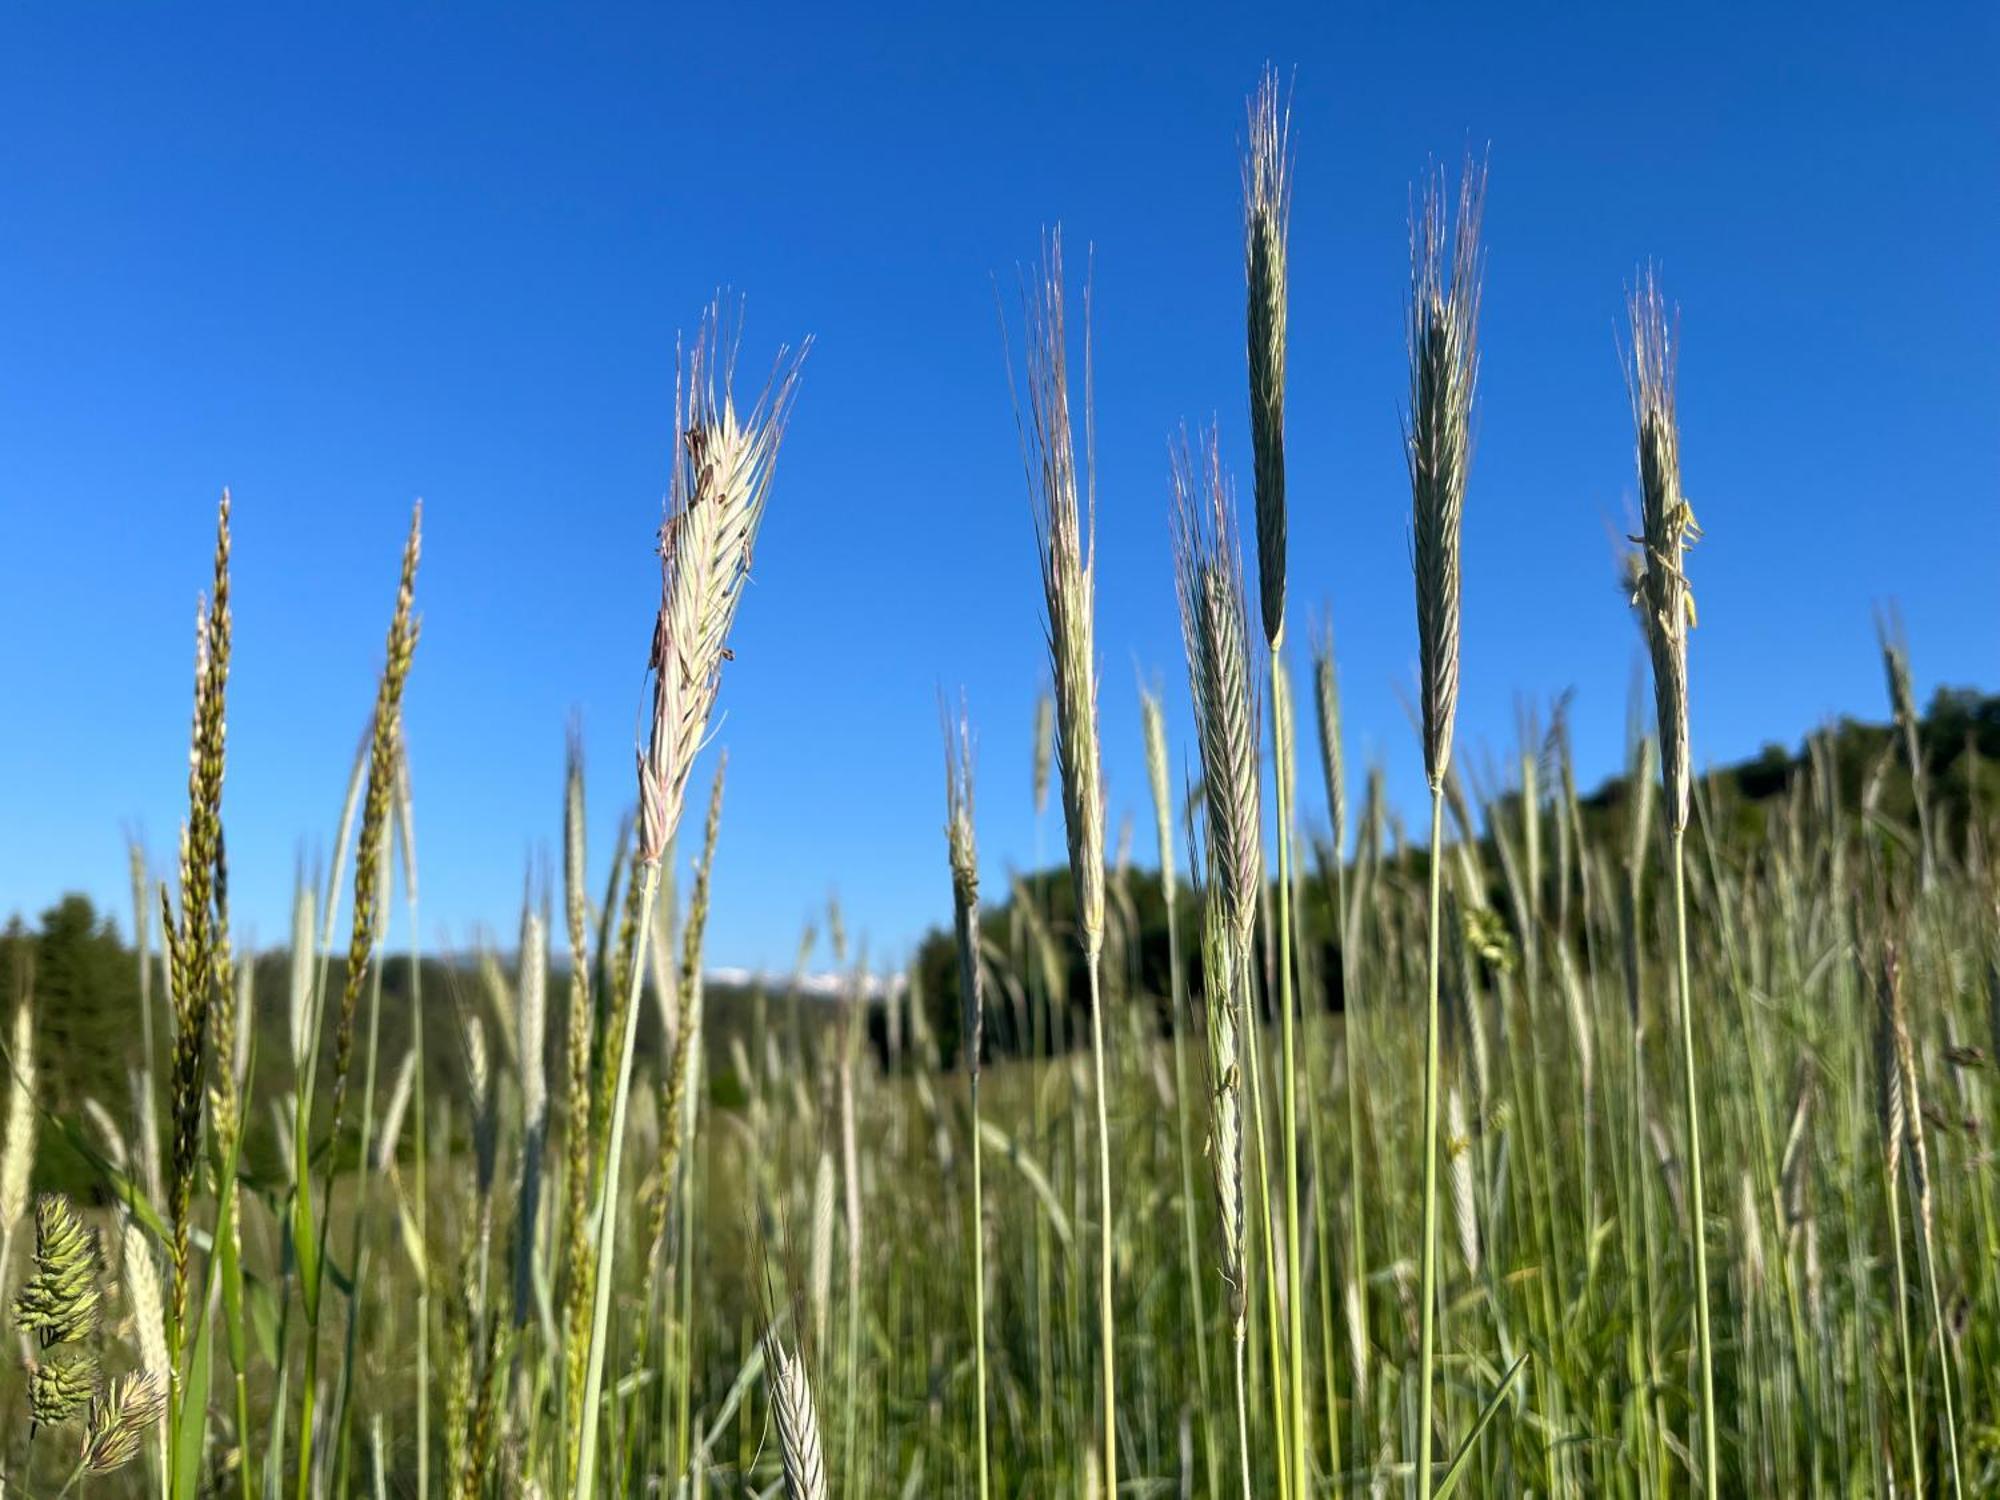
87, 985
1959, 737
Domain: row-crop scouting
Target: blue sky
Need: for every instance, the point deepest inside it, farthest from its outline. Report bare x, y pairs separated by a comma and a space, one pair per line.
340, 259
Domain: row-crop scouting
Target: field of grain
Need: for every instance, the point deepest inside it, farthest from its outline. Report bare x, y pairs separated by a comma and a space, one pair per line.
1620, 1145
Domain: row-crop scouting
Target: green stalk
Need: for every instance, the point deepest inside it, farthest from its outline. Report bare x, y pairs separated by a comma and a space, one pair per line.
1697, 1223
1928, 1266
1289, 1092
1242, 1408
358, 1250
1178, 1002
1107, 1342
418, 1127
1427, 1323
607, 1223
1350, 1025
1903, 1333
979, 1277
1252, 1051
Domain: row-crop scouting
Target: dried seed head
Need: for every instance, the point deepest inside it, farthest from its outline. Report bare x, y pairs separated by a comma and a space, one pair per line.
721, 479
1445, 265
1669, 529
1267, 211
1065, 525
964, 854
129, 1410
1215, 630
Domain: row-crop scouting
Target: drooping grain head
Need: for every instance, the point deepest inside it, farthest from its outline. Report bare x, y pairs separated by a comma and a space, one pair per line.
1215, 630
1326, 694
721, 479
1065, 525
962, 849
1668, 530
1154, 720
798, 1422
1267, 211
1445, 268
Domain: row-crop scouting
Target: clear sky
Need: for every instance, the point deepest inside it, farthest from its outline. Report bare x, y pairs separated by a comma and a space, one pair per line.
341, 257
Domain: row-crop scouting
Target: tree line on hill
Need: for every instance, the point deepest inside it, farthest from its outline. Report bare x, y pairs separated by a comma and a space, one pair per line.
86, 983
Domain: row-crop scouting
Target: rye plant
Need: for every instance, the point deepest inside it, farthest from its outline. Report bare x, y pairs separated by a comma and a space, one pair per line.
1668, 529
962, 850
1267, 210
1215, 632
1444, 374
1065, 531
721, 480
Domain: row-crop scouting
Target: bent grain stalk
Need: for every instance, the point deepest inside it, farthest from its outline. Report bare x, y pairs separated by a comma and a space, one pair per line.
721, 479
